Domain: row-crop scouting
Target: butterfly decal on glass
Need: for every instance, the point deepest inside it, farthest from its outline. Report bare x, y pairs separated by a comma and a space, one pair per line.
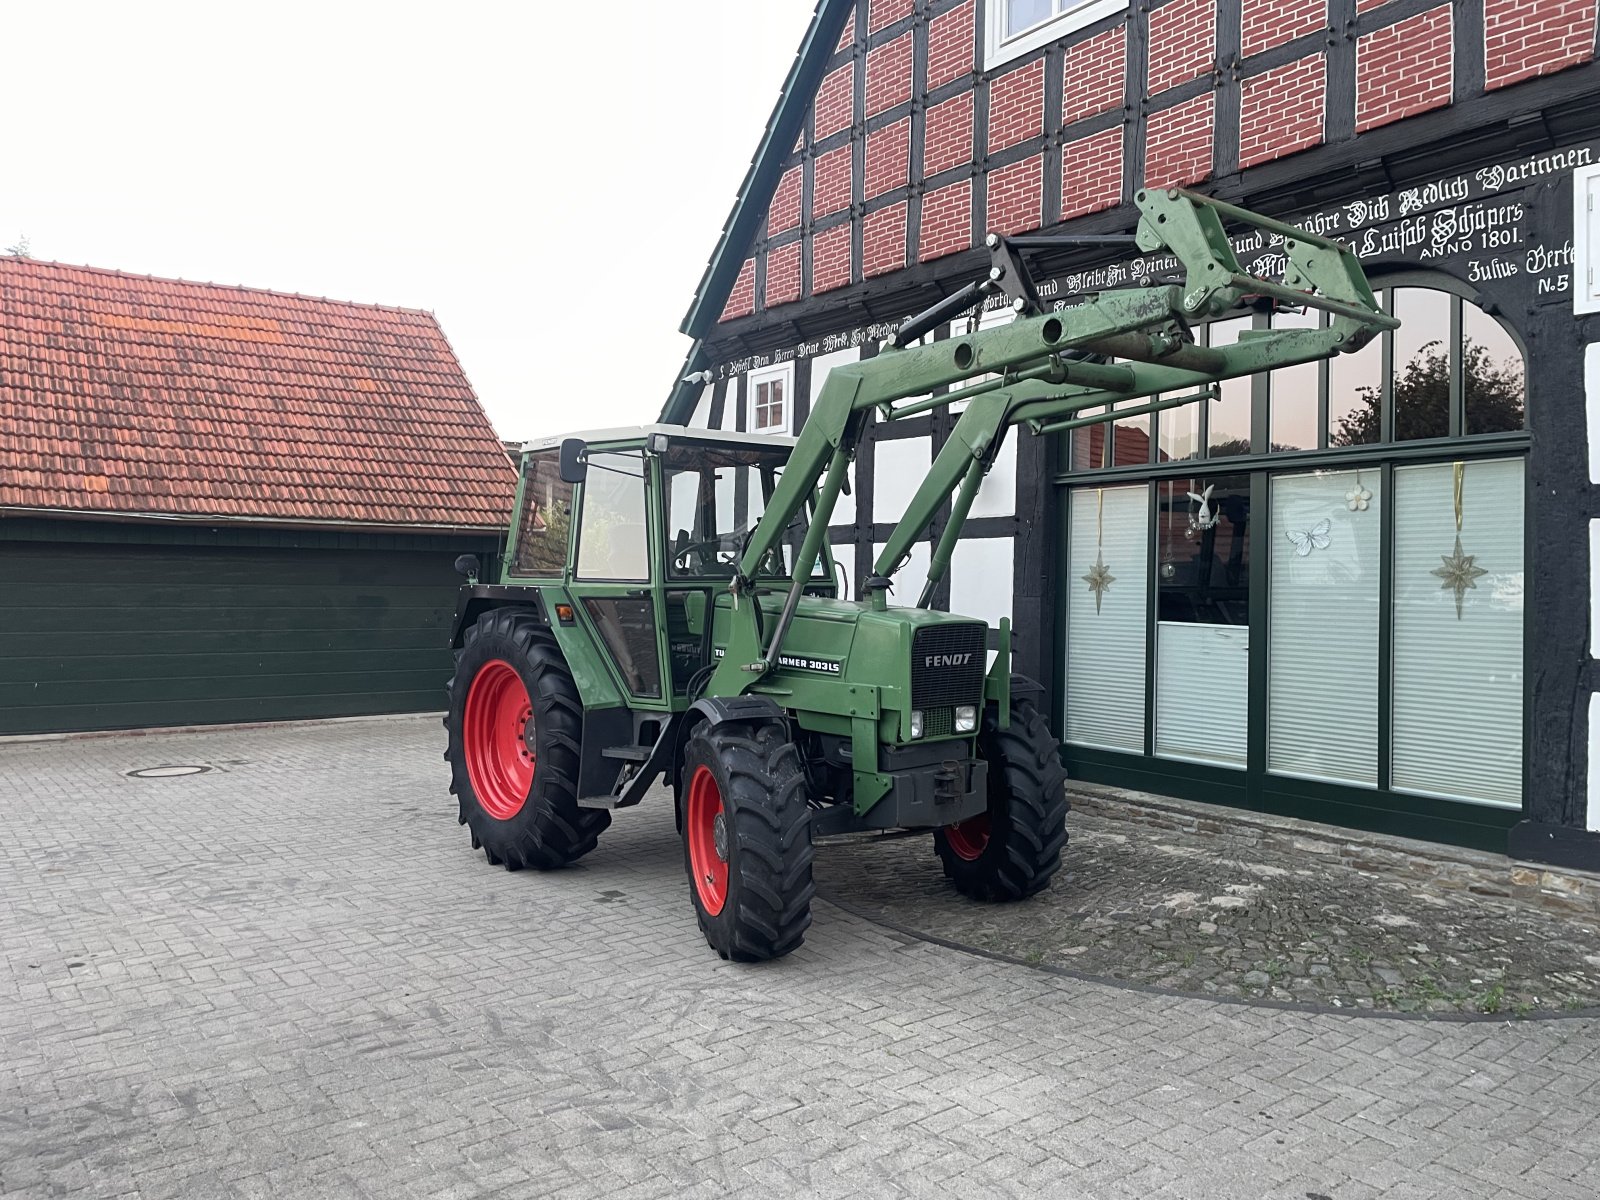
1315, 538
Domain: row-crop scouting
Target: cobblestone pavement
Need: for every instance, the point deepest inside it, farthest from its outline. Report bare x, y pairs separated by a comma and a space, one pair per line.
1236, 916
290, 976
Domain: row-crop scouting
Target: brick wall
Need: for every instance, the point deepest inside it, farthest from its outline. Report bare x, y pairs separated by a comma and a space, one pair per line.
889, 75
1281, 111
783, 274
1096, 72
784, 212
1264, 24
946, 221
1178, 143
1091, 173
830, 186
1016, 197
835, 103
742, 300
947, 141
1016, 106
888, 158
1524, 38
1403, 66
887, 12
952, 44
884, 241
1183, 42
1404, 69
830, 259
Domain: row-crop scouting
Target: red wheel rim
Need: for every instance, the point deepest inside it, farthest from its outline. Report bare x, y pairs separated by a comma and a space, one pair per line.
706, 827
970, 838
495, 730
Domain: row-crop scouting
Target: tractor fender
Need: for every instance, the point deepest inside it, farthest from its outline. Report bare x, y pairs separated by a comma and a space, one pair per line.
1024, 688
720, 709
715, 710
475, 599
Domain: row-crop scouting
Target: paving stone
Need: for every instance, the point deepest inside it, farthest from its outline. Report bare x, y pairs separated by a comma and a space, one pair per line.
1149, 897
295, 978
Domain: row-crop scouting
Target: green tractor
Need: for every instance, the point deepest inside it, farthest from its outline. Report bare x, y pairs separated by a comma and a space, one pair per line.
670, 607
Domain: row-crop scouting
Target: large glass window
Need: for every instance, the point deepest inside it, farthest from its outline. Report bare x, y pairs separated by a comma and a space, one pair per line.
1458, 593
1203, 618
612, 540
1424, 353
1377, 645
1326, 552
1228, 416
1107, 587
545, 519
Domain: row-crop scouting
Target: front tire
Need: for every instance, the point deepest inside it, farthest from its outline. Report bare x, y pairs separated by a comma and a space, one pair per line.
1011, 851
747, 839
515, 727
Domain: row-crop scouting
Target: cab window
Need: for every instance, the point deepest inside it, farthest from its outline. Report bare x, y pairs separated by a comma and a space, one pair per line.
612, 541
715, 496
544, 520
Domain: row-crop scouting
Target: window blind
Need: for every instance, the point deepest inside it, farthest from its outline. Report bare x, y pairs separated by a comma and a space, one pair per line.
1106, 645
1458, 678
1202, 691
1322, 673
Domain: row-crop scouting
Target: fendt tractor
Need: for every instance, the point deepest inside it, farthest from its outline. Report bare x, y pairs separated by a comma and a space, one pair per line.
669, 605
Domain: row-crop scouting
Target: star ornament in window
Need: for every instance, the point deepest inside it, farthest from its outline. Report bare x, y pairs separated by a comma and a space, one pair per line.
1099, 579
1459, 573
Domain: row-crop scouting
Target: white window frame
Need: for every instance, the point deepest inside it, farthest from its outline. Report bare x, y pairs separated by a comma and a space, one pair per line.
997, 48
1585, 249
779, 372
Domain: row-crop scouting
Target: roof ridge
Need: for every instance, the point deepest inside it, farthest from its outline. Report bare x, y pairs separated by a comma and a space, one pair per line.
234, 287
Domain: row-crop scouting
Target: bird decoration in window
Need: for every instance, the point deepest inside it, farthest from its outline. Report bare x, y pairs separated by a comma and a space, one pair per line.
1204, 517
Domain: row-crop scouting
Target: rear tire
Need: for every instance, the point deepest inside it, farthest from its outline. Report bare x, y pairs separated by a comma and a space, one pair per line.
519, 794
747, 839
1011, 851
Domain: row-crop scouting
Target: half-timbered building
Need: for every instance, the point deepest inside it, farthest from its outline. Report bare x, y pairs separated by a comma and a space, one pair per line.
1358, 591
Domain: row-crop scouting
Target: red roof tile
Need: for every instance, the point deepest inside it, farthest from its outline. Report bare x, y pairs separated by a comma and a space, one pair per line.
128, 394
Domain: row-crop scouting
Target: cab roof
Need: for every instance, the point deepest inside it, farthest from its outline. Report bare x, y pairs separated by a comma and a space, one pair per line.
637, 433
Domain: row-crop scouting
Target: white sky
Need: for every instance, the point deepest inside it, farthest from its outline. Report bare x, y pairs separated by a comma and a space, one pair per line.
547, 178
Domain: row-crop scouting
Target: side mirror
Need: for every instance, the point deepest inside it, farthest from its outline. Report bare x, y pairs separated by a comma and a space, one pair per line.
469, 566
574, 460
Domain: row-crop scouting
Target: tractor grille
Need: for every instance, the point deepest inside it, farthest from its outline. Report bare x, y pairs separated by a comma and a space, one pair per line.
938, 722
947, 665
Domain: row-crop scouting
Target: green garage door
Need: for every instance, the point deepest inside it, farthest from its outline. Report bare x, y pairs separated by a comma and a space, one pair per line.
113, 635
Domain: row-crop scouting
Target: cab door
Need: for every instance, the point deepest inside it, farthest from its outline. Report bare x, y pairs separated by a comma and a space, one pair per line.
611, 577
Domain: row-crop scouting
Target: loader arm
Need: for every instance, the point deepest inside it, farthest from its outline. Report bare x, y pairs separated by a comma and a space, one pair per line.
1049, 369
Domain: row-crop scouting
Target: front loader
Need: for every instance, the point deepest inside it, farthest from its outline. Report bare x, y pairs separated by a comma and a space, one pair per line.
670, 607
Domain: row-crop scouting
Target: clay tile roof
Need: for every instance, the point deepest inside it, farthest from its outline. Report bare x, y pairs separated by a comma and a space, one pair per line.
134, 395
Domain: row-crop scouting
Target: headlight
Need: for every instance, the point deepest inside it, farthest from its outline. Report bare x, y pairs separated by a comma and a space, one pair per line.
916, 723
966, 718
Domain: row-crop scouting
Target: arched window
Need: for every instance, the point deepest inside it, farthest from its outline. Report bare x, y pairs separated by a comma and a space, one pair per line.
1450, 370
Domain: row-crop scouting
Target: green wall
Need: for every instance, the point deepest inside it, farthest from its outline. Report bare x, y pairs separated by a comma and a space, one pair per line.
107, 626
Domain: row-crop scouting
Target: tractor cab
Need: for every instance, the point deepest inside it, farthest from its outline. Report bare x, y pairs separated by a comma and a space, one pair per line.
644, 528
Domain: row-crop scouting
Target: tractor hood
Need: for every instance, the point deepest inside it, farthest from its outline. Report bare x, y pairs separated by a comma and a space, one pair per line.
916, 659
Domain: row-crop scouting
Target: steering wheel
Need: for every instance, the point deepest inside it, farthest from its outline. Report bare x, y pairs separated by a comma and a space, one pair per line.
681, 555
